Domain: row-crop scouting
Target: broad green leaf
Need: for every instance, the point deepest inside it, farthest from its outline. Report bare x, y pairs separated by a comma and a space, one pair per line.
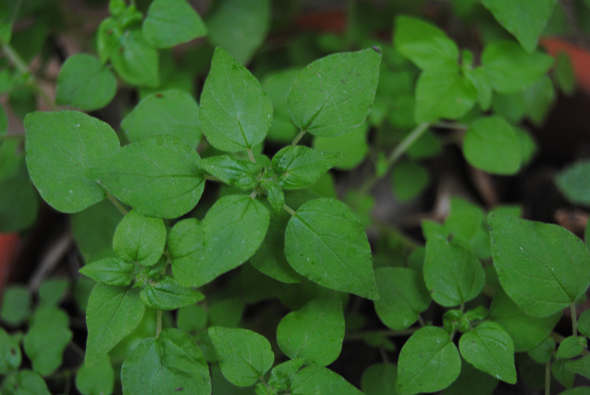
489, 348
230, 234
563, 373
409, 180
10, 354
167, 294
402, 296
584, 323
580, 366
352, 146
191, 318
443, 94
538, 100
19, 203
315, 332
574, 183
85, 83
379, 379
326, 243
334, 94
61, 147
464, 219
491, 145
240, 173
298, 166
244, 355
471, 381
25, 382
110, 271
136, 62
320, 380
170, 112
424, 44
511, 69
565, 76
543, 352
528, 146
239, 27
526, 331
112, 314
236, 112
98, 379
428, 362
542, 267
281, 376
53, 291
158, 176
452, 274
16, 305
170, 363
171, 22
140, 239
481, 82
47, 339
277, 86
525, 19
571, 347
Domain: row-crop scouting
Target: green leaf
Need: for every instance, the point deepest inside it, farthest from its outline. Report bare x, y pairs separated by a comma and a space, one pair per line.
244, 355
108, 39
170, 112
464, 220
226, 312
528, 146
571, 346
98, 379
326, 243
352, 147
53, 291
236, 112
471, 381
428, 362
573, 182
525, 19
489, 348
334, 94
140, 239
298, 166
425, 45
538, 100
110, 271
19, 203
452, 274
112, 314
481, 82
230, 234
16, 305
491, 145
171, 22
584, 323
443, 94
563, 373
47, 339
274, 194
85, 83
60, 147
136, 62
11, 159
191, 318
512, 70
315, 332
277, 86
239, 27
542, 267
10, 354
281, 376
565, 76
158, 176
379, 379
543, 352
240, 173
576, 391
167, 294
170, 363
25, 382
402, 296
320, 380
526, 331
409, 180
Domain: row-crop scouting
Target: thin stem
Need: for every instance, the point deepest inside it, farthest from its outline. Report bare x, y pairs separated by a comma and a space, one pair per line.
250, 155
548, 377
574, 319
420, 320
387, 333
117, 204
298, 137
254, 194
158, 323
289, 210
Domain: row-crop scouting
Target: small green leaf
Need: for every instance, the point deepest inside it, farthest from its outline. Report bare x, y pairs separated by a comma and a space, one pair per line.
10, 354
140, 239
491, 145
574, 183
352, 147
25, 382
112, 314
98, 379
481, 82
236, 112
320, 380
543, 352
571, 346
171, 112
512, 70
191, 318
542, 267
576, 391
19, 202
240, 173
471, 381
489, 348
108, 39
61, 147
528, 146
379, 379
170, 363
274, 194
299, 166
158, 176
565, 77
315, 332
167, 294
16, 305
428, 362
52, 291
334, 94
402, 296
563, 373
85, 83
277, 86
244, 355
326, 243
584, 323
171, 22
464, 219
281, 376
110, 271
538, 100
135, 61
424, 44
409, 180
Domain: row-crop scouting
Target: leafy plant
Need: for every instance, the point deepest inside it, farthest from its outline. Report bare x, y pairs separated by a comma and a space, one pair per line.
194, 211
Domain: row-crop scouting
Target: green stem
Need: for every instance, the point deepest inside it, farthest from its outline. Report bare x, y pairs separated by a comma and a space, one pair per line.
548, 377
158, 323
298, 137
116, 203
289, 210
574, 319
250, 155
387, 333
